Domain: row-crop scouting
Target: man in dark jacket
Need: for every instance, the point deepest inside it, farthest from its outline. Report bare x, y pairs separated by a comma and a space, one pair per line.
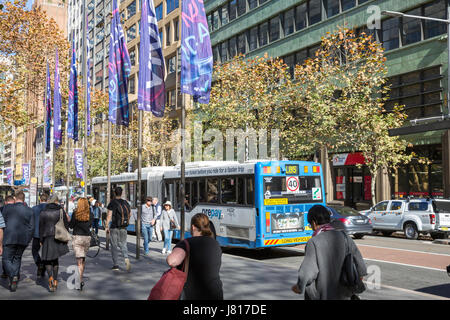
8, 200
36, 245
19, 230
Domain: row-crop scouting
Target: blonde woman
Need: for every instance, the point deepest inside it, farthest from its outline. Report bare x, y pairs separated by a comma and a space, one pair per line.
81, 223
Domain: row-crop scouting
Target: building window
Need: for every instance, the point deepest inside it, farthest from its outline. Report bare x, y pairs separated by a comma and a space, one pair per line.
132, 85
215, 20
435, 9
232, 47
263, 33
390, 34
241, 7
171, 5
241, 43
168, 35
224, 51
159, 12
290, 62
253, 39
252, 4
176, 30
314, 12
331, 7
131, 33
131, 9
348, 4
224, 15
412, 29
300, 16
274, 33
232, 10
171, 64
288, 22
161, 36
132, 53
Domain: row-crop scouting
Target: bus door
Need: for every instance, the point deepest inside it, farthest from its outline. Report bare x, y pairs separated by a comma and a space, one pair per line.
287, 193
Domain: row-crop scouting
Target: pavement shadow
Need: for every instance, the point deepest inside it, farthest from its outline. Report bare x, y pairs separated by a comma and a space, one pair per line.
442, 290
263, 254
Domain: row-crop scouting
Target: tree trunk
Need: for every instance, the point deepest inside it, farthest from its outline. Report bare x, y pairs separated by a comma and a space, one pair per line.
372, 188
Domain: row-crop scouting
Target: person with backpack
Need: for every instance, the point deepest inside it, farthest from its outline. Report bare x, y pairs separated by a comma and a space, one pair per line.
320, 274
119, 217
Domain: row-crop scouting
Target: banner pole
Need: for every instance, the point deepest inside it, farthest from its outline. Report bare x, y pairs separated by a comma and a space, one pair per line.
139, 177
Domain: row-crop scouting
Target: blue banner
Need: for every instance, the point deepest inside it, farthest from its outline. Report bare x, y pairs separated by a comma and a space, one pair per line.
196, 52
88, 88
9, 176
119, 70
72, 111
151, 88
57, 133
26, 173
48, 109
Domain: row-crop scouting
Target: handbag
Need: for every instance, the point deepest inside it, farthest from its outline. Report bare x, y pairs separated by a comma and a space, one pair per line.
95, 243
349, 274
61, 233
173, 226
172, 282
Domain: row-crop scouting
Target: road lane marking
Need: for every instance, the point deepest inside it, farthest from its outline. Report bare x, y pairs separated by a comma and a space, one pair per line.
429, 295
407, 250
406, 265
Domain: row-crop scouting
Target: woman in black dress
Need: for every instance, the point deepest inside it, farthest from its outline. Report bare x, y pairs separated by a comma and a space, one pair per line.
205, 258
52, 249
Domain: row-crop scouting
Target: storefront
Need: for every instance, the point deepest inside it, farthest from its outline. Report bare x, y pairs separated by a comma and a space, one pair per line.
351, 179
423, 176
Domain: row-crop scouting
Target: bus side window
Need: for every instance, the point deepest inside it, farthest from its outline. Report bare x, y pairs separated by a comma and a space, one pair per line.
188, 194
213, 190
250, 191
194, 191
228, 190
202, 191
241, 190
176, 201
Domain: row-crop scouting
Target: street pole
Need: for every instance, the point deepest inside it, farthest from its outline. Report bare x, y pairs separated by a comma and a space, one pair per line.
139, 178
84, 70
68, 172
183, 154
108, 180
53, 161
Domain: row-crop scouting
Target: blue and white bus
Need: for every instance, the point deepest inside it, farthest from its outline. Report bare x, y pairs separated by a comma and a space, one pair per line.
255, 204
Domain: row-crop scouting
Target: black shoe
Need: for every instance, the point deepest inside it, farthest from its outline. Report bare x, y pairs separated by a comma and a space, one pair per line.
81, 286
115, 268
40, 271
13, 286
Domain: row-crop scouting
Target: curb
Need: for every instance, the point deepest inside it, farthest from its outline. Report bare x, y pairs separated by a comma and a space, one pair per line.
442, 241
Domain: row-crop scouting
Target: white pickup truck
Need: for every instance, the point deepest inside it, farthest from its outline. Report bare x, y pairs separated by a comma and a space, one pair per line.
411, 216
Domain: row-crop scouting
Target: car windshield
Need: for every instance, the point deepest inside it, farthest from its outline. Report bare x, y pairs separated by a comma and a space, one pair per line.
346, 211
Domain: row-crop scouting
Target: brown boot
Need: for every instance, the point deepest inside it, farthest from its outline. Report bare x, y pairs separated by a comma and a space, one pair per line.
55, 285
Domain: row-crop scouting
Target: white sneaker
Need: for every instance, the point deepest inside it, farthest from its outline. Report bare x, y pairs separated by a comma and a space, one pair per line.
163, 251
169, 252
127, 264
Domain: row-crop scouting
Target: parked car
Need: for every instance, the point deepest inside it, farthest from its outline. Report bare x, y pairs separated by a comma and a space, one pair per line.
413, 217
352, 221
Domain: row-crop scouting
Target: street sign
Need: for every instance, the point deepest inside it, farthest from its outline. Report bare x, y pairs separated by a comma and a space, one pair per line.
292, 184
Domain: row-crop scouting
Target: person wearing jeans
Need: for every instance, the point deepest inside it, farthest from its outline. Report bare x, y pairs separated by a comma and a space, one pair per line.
169, 223
148, 220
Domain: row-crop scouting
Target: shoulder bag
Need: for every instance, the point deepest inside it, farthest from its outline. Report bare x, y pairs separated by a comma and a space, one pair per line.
172, 282
349, 274
61, 233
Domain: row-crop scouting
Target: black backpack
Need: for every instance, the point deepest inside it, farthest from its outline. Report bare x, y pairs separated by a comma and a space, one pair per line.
349, 274
122, 214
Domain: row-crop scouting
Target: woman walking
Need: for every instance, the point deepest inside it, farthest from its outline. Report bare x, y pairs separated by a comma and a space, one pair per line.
81, 223
169, 223
96, 214
52, 249
205, 258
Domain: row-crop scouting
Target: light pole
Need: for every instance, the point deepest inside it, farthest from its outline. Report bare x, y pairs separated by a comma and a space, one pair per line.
403, 15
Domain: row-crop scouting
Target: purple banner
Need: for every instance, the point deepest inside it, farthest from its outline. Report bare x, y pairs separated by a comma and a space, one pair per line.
151, 88
47, 167
72, 111
26, 173
48, 109
196, 52
119, 70
9, 176
57, 133
79, 165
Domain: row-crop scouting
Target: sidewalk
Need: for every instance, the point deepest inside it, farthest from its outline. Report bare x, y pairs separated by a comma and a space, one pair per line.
243, 279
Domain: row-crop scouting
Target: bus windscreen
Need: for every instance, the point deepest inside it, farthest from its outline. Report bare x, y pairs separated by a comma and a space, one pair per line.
296, 189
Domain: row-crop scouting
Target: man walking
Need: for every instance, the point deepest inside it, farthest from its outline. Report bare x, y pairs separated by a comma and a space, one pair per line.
19, 230
8, 200
36, 244
2, 226
148, 221
119, 217
158, 210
